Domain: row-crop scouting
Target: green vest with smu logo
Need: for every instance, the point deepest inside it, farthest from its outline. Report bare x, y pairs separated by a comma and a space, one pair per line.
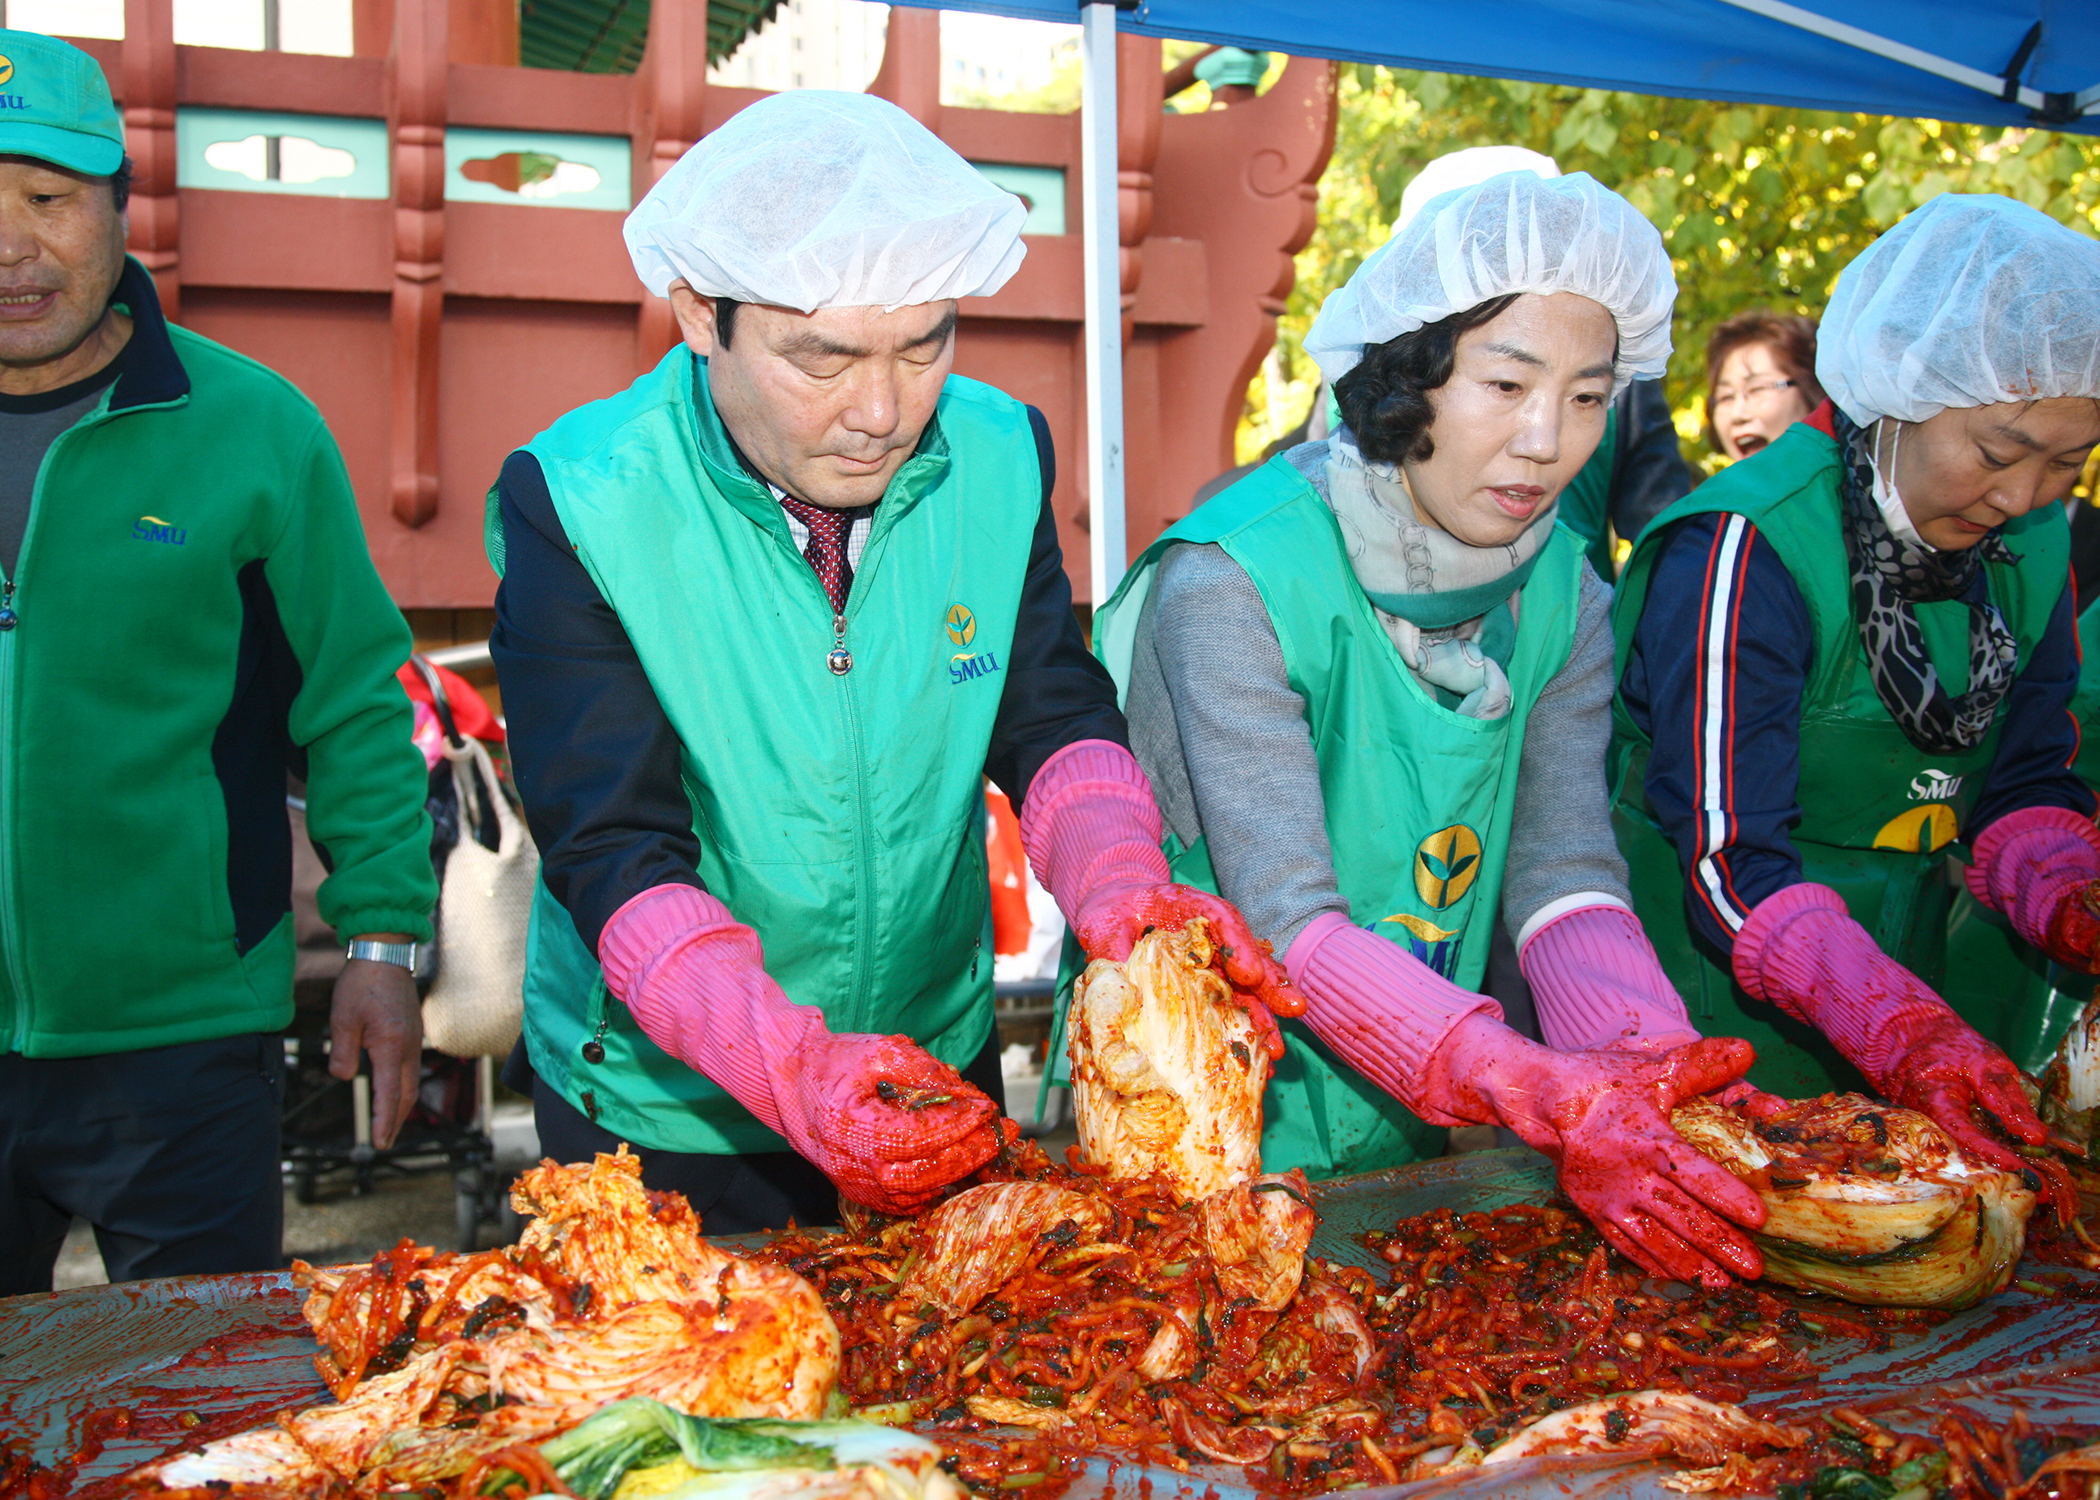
840, 814
1877, 813
1417, 797
2004, 986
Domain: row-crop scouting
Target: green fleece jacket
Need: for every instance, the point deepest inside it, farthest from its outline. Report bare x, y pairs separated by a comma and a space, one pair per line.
194, 616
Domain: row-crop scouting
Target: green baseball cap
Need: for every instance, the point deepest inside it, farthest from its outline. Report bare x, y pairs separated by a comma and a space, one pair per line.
55, 105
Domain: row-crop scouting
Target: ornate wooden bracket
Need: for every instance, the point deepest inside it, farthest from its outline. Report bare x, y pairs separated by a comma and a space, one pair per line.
417, 122
669, 105
910, 75
149, 137
1140, 103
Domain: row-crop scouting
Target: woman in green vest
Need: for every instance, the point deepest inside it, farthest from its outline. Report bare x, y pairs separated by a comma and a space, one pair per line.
1855, 647
1371, 685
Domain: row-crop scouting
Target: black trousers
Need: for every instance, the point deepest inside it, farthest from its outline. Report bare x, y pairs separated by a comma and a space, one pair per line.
170, 1152
731, 1194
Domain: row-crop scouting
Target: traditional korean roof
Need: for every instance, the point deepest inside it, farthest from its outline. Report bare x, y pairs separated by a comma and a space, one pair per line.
606, 36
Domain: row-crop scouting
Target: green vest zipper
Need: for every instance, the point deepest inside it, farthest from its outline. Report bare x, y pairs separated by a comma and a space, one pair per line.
839, 813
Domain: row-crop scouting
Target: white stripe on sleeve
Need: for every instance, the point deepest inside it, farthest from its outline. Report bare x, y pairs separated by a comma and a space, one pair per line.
1713, 727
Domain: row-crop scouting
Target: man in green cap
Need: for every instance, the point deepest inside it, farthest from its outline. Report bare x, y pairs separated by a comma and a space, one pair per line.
188, 615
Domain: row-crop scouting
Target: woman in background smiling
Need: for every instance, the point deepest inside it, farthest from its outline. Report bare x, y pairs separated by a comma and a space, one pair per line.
1760, 379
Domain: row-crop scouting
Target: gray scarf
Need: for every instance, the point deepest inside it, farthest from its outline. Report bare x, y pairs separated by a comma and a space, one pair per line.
1445, 605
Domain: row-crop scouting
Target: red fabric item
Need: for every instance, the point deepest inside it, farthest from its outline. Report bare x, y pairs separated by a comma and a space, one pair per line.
2037, 865
694, 979
1802, 951
1824, 419
1011, 923
826, 548
1380, 1008
1092, 833
470, 711
1596, 980
1604, 1119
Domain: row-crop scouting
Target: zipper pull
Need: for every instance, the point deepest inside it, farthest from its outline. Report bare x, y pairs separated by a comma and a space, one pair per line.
840, 660
8, 618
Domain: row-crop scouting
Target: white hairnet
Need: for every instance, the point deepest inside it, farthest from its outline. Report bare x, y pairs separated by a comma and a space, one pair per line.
1517, 232
1971, 300
1462, 169
818, 199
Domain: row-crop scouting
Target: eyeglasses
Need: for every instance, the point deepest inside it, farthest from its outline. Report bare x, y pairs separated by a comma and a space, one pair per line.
1756, 391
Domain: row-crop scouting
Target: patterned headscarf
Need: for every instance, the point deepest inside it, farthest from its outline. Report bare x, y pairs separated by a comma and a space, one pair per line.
1890, 574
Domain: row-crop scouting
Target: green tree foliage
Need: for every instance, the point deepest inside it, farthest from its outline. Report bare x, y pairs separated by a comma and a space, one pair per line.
1760, 206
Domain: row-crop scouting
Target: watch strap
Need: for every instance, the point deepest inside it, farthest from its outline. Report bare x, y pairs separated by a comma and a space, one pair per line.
401, 954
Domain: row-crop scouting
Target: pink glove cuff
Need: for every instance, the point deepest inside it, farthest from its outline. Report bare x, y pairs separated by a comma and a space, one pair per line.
1596, 980
1382, 1009
644, 929
2028, 860
1802, 951
694, 979
1088, 820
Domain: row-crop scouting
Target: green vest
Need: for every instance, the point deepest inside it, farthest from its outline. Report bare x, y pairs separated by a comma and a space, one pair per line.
1585, 505
2003, 985
1877, 813
841, 816
1417, 798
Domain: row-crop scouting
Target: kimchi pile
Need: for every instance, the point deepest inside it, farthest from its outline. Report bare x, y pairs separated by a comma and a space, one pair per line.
446, 1368
1157, 1296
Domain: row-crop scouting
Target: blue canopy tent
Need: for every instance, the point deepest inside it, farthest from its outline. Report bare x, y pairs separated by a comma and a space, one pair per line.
1986, 62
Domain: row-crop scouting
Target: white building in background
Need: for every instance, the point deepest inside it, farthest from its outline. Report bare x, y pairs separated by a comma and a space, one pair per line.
837, 44
302, 25
985, 57
809, 44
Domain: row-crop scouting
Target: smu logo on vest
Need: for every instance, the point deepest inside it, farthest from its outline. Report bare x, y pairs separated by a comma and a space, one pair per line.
1931, 785
1427, 941
154, 529
1446, 865
966, 666
1922, 830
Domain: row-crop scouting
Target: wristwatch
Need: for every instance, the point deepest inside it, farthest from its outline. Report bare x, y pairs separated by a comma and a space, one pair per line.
403, 954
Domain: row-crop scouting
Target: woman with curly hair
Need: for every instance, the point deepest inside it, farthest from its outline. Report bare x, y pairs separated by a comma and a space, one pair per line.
1371, 683
1856, 647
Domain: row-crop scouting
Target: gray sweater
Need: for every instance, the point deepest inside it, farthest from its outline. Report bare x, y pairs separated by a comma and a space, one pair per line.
1223, 735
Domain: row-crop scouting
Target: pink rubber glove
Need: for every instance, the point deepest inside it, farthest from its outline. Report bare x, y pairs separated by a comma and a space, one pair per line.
1596, 981
2038, 866
885, 1120
1602, 1116
1092, 832
1802, 951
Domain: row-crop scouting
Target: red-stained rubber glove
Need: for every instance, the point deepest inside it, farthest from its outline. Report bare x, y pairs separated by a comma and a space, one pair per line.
2039, 866
1604, 1119
1092, 832
1802, 951
1603, 1116
885, 1120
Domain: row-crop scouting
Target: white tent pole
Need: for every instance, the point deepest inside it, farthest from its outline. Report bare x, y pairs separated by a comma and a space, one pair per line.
1881, 46
1100, 220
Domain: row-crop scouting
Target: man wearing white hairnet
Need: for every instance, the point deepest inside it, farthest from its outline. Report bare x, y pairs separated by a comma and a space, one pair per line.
1855, 647
767, 620
1372, 683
